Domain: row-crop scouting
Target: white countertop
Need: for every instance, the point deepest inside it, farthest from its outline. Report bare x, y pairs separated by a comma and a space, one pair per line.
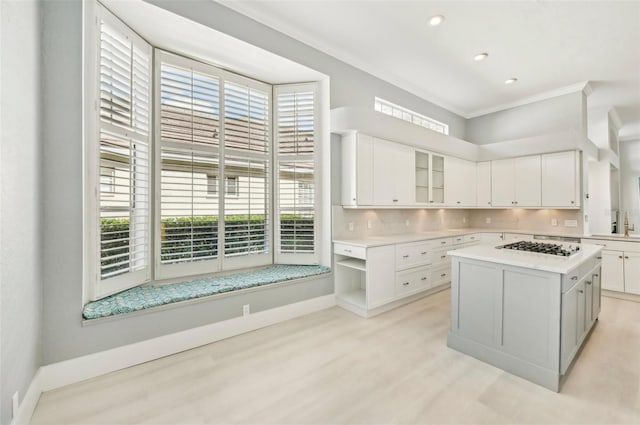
531, 260
380, 240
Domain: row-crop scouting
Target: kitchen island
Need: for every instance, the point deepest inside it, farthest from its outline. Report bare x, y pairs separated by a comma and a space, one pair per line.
526, 313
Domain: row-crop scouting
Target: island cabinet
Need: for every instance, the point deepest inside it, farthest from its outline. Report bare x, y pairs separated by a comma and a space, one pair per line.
521, 312
516, 182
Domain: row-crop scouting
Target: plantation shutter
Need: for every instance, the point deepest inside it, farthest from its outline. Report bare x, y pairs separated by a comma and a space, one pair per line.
122, 175
188, 109
246, 173
297, 197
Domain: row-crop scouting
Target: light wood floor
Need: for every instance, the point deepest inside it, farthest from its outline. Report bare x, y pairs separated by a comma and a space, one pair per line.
333, 367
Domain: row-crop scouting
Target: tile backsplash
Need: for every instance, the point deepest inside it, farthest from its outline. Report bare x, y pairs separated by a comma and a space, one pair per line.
381, 222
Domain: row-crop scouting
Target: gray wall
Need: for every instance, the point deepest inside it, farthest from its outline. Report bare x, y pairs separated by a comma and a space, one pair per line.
64, 335
546, 116
20, 208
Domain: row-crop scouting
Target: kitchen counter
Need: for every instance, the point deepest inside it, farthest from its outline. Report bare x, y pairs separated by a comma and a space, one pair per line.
615, 237
531, 260
526, 313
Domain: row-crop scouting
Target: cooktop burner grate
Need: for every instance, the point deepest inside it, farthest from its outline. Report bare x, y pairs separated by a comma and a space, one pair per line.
543, 248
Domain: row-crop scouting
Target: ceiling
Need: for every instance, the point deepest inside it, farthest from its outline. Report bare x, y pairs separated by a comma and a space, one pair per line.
547, 45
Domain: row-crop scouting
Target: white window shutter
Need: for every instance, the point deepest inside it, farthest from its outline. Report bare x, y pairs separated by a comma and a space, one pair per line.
297, 180
122, 167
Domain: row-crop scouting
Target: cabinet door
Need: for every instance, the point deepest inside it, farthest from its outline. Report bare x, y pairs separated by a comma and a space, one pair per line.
560, 180
581, 315
380, 275
364, 170
588, 303
612, 271
483, 184
597, 294
569, 341
393, 173
437, 179
527, 181
422, 177
404, 175
384, 169
459, 190
632, 272
502, 183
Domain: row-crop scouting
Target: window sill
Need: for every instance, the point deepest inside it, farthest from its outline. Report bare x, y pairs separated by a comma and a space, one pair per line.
151, 297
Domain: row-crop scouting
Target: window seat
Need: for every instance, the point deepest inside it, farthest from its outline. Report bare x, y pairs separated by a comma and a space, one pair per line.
149, 296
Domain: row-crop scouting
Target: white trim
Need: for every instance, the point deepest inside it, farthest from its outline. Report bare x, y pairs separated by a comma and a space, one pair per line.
583, 87
30, 400
68, 372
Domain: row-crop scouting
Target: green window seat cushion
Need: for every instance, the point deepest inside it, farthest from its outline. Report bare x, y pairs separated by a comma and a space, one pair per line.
149, 296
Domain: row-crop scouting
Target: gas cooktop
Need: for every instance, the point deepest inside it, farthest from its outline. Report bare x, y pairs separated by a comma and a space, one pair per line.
560, 250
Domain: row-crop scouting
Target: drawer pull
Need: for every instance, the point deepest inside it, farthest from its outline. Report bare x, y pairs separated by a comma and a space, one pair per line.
405, 256
626, 258
619, 256
598, 258
443, 242
347, 250
423, 253
588, 282
581, 291
443, 275
405, 283
424, 278
596, 275
472, 237
442, 257
395, 200
574, 277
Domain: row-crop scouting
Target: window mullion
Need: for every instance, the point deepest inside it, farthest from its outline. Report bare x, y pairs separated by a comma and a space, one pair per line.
222, 177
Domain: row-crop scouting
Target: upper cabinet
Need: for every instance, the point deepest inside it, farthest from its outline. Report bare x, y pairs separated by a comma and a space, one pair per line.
561, 179
483, 184
459, 182
429, 178
394, 173
516, 182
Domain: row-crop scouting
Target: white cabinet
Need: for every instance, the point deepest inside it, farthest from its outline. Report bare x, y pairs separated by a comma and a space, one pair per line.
483, 184
429, 178
613, 270
620, 265
459, 189
357, 170
561, 179
393, 174
515, 182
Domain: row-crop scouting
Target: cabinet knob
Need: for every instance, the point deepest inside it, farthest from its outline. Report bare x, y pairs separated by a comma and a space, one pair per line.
596, 275
626, 258
354, 199
598, 258
619, 256
581, 291
431, 202
457, 202
443, 256
423, 253
588, 282
395, 200
574, 277
347, 250
573, 202
443, 242
405, 256
489, 203
424, 278
405, 283
443, 275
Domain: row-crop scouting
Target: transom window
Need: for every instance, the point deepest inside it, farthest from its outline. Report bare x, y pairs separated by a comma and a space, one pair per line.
388, 108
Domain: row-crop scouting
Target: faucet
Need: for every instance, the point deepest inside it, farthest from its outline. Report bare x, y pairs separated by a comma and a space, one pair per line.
626, 225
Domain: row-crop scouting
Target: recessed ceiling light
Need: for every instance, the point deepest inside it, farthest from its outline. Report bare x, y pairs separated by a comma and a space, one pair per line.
480, 57
436, 20
511, 80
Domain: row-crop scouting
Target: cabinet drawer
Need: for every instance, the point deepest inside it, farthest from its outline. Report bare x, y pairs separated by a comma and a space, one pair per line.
350, 251
459, 239
411, 255
440, 243
577, 274
440, 276
615, 245
472, 238
440, 258
410, 281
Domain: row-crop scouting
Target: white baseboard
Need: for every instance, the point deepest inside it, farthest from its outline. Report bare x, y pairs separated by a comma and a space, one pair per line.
29, 401
78, 369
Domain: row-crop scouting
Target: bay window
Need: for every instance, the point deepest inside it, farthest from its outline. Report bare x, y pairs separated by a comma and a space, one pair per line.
224, 179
